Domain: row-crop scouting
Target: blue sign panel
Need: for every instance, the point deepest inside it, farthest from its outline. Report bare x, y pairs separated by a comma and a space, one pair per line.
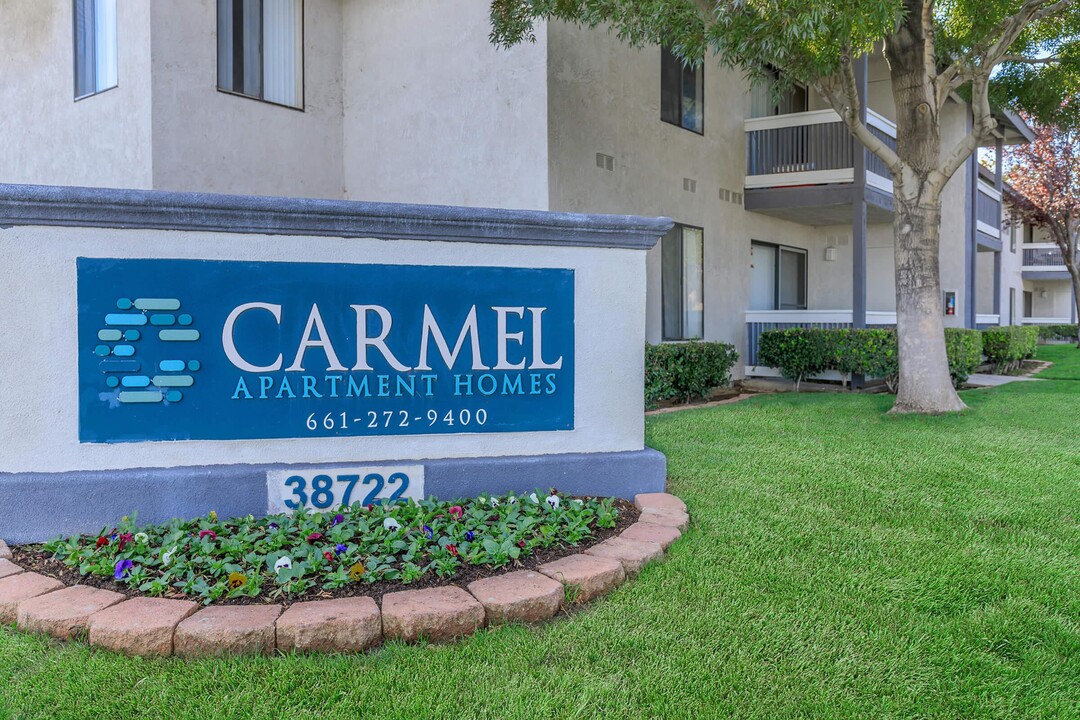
214, 350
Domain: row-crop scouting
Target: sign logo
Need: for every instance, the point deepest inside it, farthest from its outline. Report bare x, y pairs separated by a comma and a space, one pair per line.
145, 346
200, 349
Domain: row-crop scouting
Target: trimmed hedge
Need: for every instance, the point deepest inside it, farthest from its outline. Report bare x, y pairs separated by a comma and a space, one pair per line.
1057, 332
799, 353
683, 371
1007, 347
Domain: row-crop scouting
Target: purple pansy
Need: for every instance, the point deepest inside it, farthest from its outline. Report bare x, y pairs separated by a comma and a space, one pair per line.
429, 532
338, 519
469, 535
340, 548
273, 526
123, 567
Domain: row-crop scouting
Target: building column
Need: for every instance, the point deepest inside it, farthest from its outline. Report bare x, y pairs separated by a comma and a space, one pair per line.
997, 286
971, 238
858, 209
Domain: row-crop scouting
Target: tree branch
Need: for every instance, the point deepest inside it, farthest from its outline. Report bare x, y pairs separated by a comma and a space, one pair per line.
842, 92
962, 69
982, 129
1030, 61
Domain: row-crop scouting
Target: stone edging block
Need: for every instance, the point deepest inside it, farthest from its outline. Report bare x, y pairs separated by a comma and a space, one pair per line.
161, 627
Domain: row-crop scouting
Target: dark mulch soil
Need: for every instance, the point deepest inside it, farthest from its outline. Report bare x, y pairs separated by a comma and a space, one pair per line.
31, 558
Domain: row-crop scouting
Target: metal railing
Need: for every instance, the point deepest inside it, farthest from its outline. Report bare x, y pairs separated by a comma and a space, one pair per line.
988, 207
1048, 257
759, 321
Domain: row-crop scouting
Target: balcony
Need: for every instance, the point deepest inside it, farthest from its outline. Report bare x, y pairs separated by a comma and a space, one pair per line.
988, 216
801, 167
1043, 261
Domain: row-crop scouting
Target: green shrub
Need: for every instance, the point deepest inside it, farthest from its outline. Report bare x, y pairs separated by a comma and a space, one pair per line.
1057, 332
1007, 347
965, 349
799, 353
683, 371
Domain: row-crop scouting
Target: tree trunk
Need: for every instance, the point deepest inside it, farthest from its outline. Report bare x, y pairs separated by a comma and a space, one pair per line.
1074, 273
925, 384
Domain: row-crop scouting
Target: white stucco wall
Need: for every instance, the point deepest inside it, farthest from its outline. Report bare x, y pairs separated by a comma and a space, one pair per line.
46, 136
434, 113
210, 141
1050, 298
39, 416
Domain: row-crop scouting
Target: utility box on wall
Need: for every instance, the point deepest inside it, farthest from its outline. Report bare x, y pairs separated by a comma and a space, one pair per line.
173, 353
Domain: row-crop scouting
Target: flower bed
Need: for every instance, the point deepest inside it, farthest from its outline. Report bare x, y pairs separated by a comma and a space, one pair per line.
354, 550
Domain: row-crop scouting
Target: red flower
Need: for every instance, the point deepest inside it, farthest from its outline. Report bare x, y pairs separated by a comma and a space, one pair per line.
101, 542
457, 511
521, 543
208, 533
124, 540
328, 555
452, 549
314, 537
371, 507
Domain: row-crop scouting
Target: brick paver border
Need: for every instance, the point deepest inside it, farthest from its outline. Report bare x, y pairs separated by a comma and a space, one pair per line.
341, 625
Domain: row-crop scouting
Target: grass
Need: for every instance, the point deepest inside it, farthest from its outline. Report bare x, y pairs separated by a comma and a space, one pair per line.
841, 563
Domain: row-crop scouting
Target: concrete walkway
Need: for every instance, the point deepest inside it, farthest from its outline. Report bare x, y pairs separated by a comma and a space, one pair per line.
986, 380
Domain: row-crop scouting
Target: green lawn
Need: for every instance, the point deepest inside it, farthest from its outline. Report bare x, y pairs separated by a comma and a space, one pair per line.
841, 563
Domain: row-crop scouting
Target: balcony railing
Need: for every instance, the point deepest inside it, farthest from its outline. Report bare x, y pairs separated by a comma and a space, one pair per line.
758, 321
988, 210
1043, 256
811, 148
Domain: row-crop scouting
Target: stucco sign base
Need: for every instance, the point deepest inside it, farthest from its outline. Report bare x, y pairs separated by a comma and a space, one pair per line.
160, 627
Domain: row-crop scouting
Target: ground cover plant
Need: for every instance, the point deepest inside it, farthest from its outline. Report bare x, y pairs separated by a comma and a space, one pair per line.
282, 557
841, 563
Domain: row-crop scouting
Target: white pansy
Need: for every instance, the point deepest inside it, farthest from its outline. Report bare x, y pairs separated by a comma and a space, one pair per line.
512, 500
494, 501
553, 501
532, 496
579, 501
391, 524
167, 557
283, 563
141, 537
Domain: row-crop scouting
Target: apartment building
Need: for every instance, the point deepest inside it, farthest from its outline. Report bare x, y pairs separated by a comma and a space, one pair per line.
781, 219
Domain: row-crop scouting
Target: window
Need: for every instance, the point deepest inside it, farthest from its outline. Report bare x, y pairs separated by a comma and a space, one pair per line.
1012, 306
767, 100
261, 50
1012, 234
683, 283
1029, 233
95, 46
682, 92
777, 277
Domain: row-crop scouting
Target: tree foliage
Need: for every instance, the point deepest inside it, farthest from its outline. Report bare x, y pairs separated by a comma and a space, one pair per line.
1045, 179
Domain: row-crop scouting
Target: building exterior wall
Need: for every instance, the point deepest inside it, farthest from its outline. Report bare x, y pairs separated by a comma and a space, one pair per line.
956, 240
434, 113
212, 141
48, 136
604, 97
